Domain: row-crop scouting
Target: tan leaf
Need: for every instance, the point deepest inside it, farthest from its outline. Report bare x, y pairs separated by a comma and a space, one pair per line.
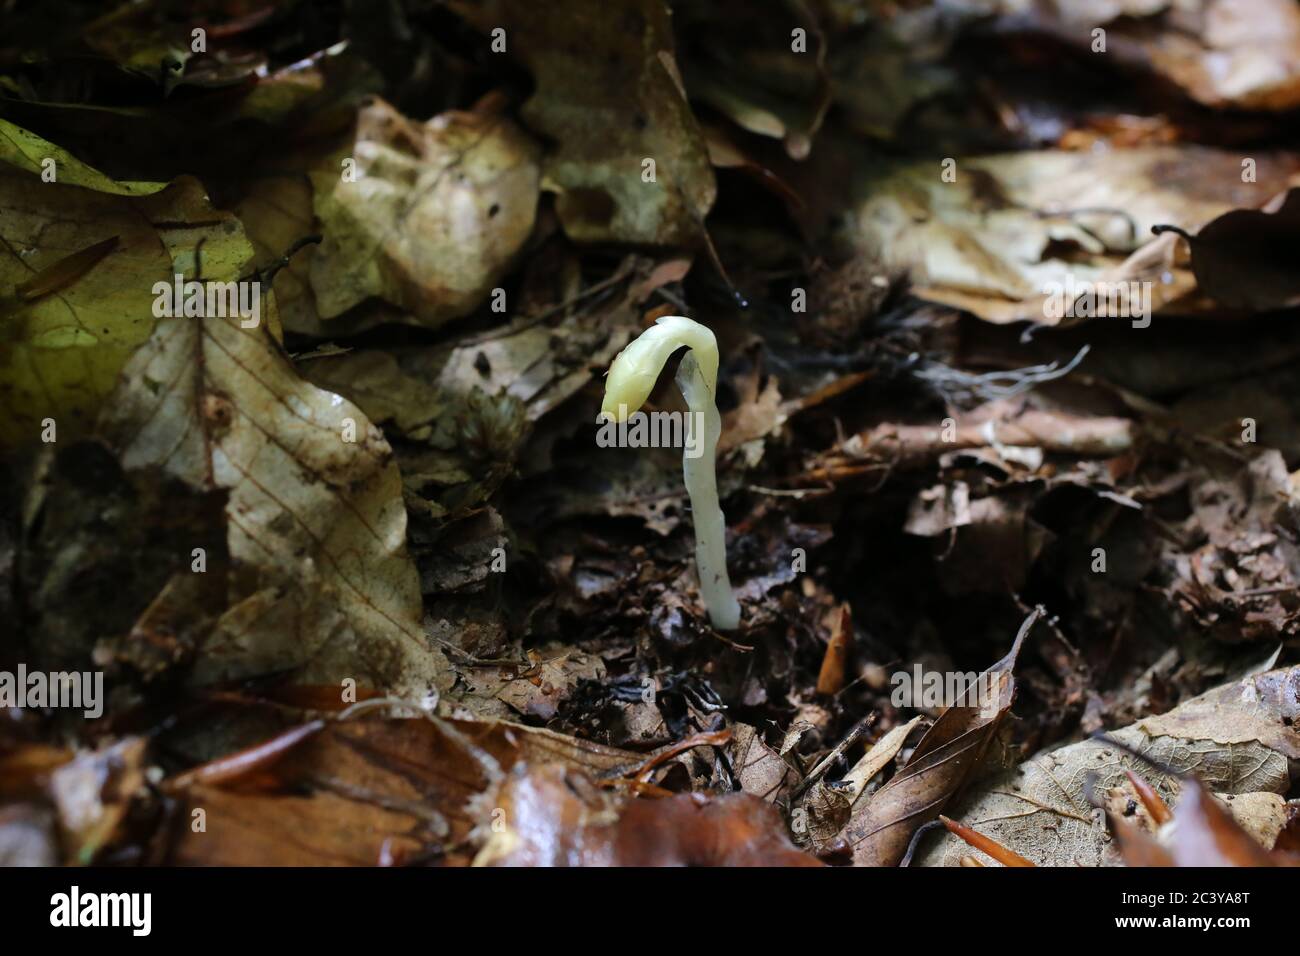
876, 758
995, 239
1041, 809
315, 522
432, 217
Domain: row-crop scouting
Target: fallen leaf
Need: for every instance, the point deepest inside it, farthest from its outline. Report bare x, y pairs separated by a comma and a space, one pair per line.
876, 758
1202, 833
367, 790
1010, 231
940, 767
66, 346
23, 149
610, 105
427, 217
760, 770
1245, 259
553, 816
1041, 809
315, 524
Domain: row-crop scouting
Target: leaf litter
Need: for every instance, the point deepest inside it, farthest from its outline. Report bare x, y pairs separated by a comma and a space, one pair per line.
373, 529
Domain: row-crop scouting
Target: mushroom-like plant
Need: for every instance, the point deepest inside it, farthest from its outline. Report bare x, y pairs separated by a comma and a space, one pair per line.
631, 377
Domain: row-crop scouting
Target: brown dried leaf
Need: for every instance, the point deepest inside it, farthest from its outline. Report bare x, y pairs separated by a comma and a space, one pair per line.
553, 816
1202, 833
830, 679
760, 770
540, 689
945, 759
1041, 809
993, 239
1264, 710
1245, 259
876, 758
370, 790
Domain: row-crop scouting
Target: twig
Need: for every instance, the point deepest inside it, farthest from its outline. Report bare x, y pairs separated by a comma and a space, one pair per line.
826, 762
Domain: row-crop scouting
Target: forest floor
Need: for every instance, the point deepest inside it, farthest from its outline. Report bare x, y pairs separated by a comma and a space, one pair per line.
305, 312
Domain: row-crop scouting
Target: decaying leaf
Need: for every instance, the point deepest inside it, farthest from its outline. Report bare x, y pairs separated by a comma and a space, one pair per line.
1234, 740
315, 525
1009, 236
760, 770
425, 216
552, 816
629, 163
63, 348
1237, 580
1245, 259
940, 767
372, 790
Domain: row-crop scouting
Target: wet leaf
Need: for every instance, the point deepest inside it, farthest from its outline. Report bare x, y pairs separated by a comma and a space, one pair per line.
370, 790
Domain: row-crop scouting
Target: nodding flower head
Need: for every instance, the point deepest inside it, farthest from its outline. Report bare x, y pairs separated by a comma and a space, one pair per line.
636, 369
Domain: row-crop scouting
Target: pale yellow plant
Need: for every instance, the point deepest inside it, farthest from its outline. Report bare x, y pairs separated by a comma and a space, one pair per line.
632, 375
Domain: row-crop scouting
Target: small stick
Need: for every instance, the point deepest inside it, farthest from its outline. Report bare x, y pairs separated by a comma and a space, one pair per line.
986, 845
828, 761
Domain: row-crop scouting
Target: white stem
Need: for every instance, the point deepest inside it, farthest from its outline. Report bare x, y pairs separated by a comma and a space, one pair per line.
702, 486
